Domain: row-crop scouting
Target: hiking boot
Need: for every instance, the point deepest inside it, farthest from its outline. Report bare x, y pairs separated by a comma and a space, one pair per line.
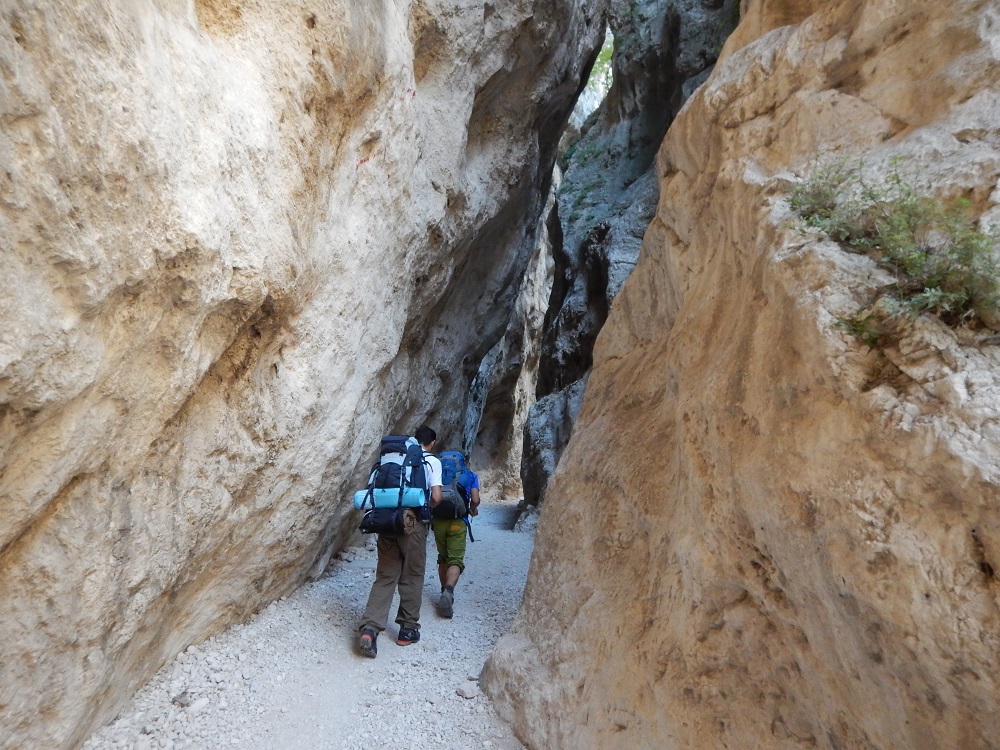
446, 604
407, 636
367, 642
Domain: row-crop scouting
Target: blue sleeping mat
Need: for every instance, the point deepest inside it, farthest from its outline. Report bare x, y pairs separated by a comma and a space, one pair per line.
413, 497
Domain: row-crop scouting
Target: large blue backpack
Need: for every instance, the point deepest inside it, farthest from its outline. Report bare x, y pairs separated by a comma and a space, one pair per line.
456, 487
398, 479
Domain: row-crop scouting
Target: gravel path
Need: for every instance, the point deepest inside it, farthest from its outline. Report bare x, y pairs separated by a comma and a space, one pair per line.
291, 677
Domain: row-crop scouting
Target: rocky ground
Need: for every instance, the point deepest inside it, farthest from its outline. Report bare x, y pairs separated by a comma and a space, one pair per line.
291, 676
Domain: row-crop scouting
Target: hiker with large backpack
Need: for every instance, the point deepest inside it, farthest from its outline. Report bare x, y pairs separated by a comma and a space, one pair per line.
406, 475
459, 501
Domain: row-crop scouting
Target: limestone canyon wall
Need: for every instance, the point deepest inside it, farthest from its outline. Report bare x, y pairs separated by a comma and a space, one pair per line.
240, 242
504, 388
608, 197
762, 533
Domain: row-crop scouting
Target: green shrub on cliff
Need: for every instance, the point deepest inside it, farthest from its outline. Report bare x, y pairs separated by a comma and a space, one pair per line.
941, 262
600, 75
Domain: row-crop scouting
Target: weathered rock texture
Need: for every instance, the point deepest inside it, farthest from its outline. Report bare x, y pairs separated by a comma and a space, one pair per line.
608, 197
504, 388
761, 535
240, 242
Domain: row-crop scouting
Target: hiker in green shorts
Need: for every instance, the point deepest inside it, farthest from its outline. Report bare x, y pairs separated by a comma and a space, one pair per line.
449, 535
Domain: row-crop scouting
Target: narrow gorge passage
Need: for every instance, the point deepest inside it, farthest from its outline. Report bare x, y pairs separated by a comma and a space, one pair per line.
243, 241
291, 677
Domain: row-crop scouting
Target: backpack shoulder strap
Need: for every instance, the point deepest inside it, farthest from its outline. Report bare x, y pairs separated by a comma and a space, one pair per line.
427, 473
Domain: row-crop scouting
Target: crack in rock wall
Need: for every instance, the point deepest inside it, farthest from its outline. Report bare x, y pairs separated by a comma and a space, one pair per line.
240, 242
753, 538
663, 48
504, 388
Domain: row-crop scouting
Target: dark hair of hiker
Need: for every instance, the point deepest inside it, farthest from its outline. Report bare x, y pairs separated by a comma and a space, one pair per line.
425, 435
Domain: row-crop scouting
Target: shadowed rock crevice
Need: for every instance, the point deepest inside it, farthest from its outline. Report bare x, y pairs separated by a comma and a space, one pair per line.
608, 197
504, 386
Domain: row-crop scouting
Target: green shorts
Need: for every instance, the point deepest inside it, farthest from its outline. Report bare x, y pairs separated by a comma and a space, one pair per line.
449, 534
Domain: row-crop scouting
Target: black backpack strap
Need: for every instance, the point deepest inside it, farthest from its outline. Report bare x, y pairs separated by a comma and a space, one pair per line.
468, 525
402, 484
370, 494
411, 461
427, 477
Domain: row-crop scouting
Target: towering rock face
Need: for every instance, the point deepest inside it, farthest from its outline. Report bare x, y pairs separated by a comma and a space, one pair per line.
240, 242
754, 539
504, 388
662, 48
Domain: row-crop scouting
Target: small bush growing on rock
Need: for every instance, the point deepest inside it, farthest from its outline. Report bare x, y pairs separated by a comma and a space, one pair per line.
866, 326
601, 74
824, 202
942, 263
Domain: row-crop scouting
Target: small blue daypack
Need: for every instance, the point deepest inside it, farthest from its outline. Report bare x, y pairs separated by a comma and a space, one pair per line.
456, 486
